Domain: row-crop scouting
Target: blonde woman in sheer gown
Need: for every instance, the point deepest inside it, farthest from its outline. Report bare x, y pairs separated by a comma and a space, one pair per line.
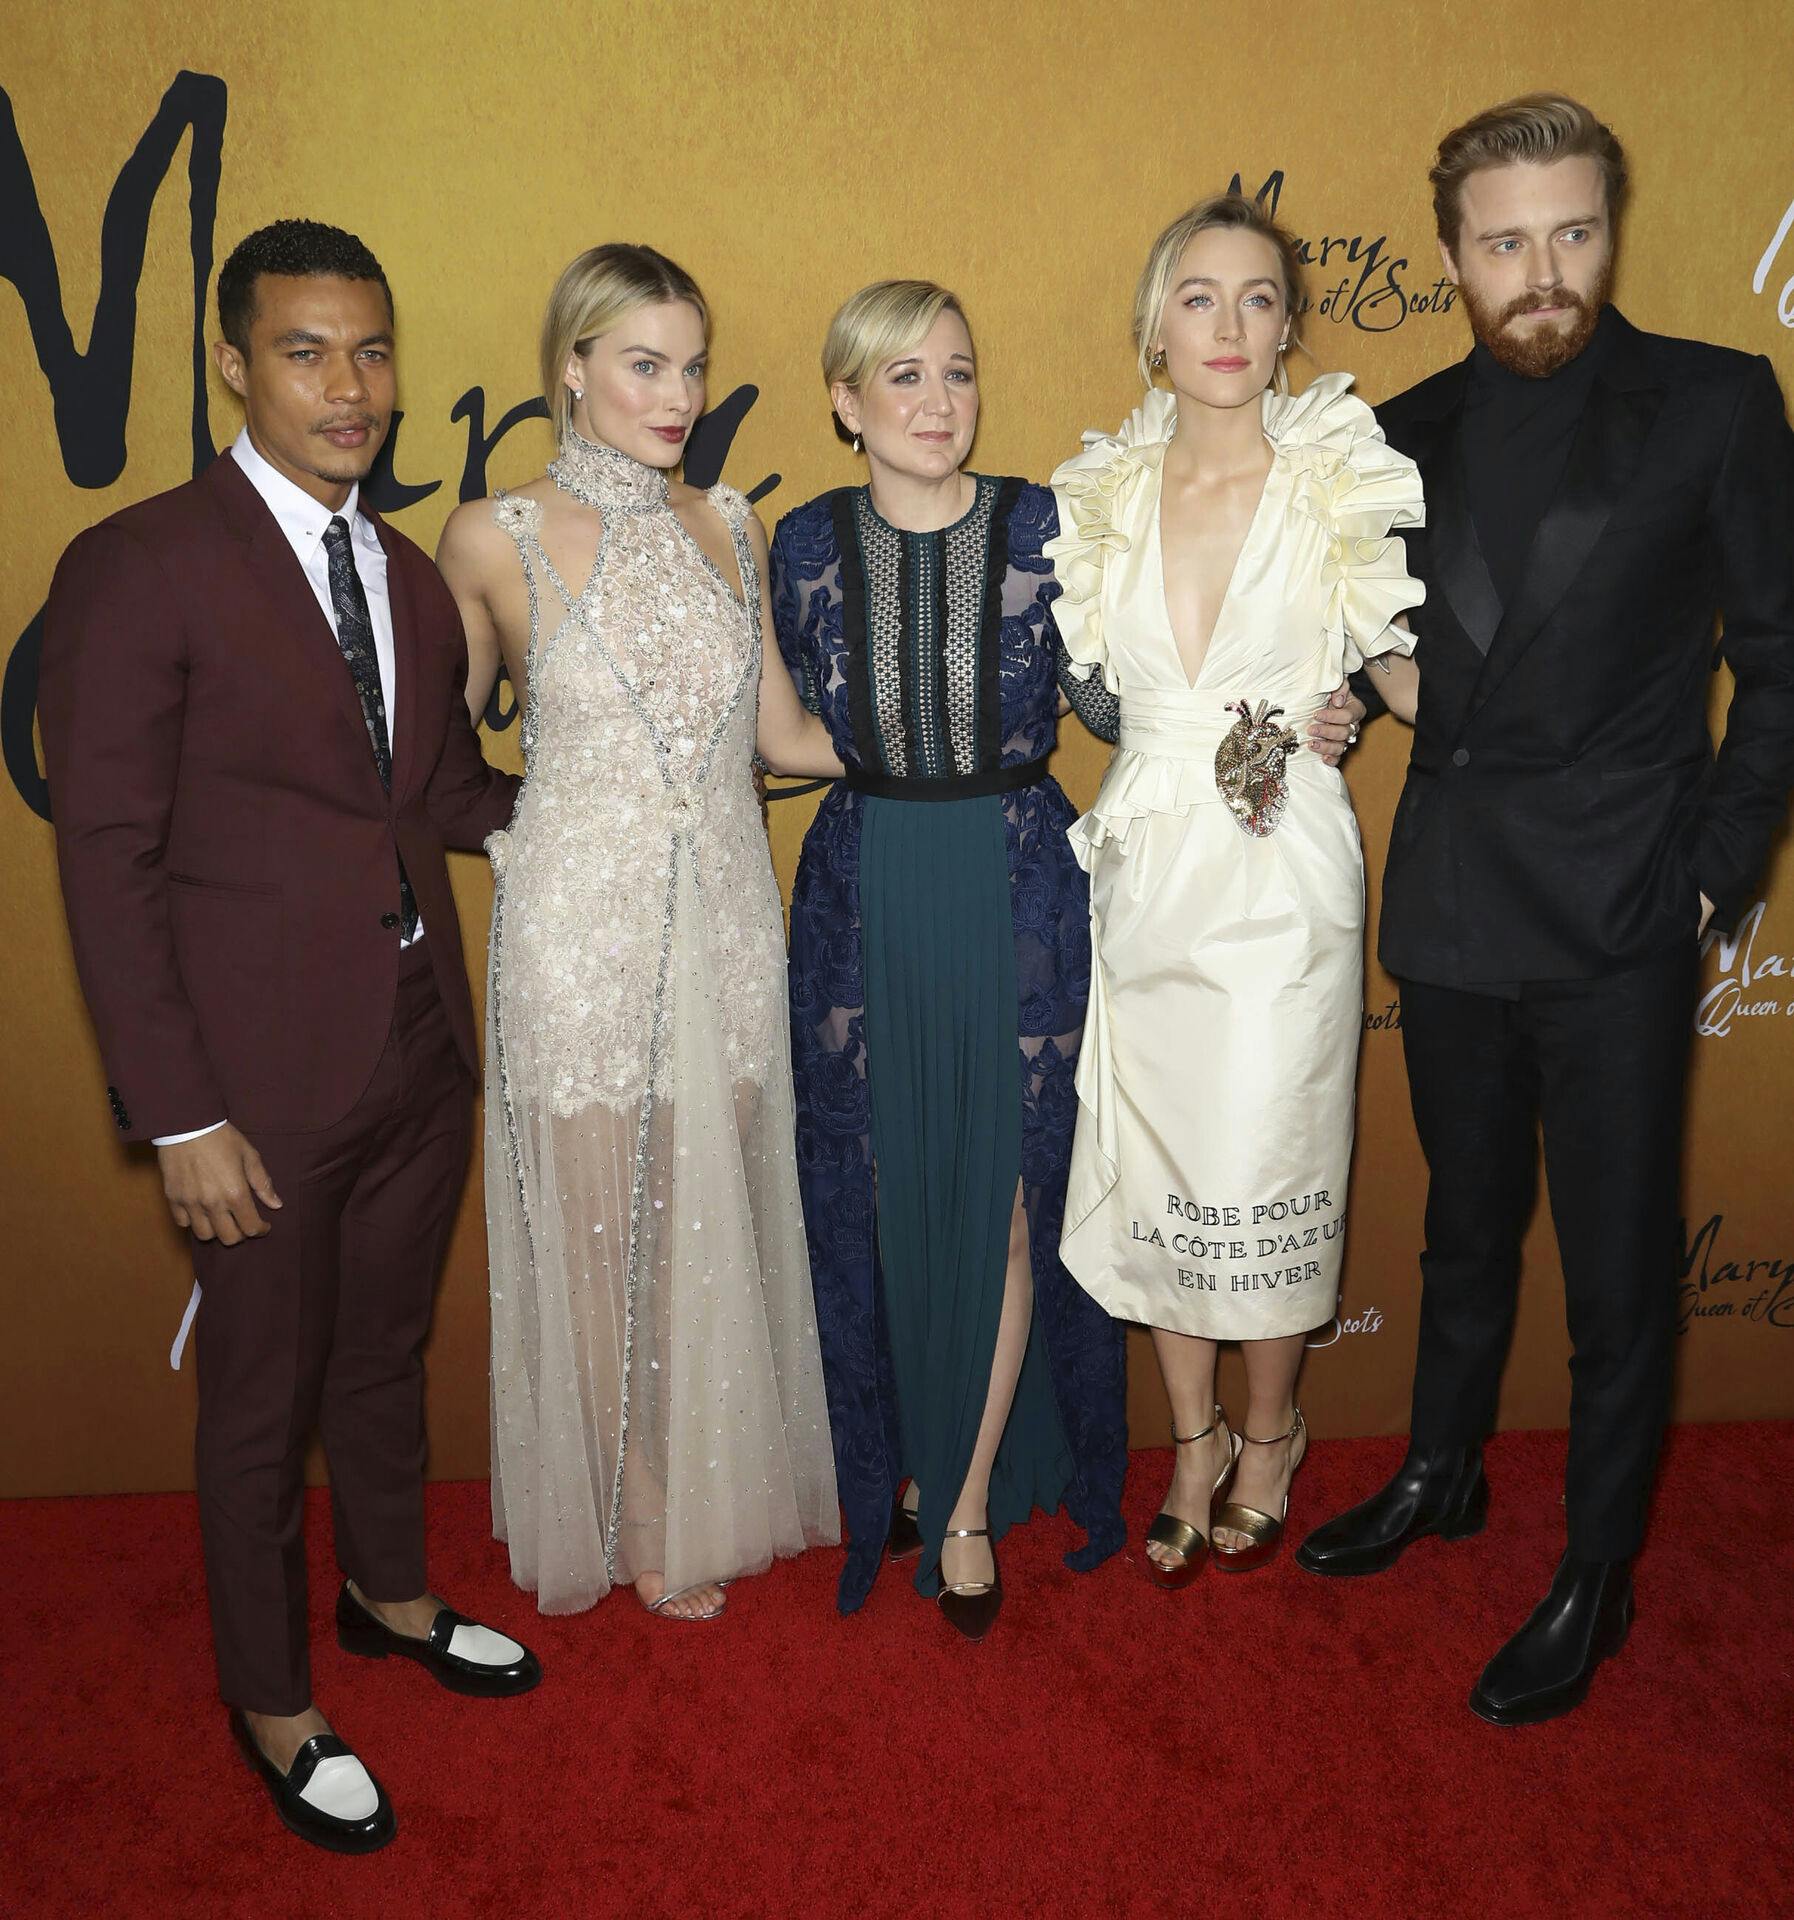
658, 1415
1227, 558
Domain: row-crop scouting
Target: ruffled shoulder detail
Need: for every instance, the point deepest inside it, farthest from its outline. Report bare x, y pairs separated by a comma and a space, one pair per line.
1098, 493
1327, 434
1358, 490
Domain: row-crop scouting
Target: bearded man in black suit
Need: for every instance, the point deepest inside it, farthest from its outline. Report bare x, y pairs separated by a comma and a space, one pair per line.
1596, 495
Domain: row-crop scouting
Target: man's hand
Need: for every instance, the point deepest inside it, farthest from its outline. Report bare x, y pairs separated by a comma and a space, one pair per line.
1336, 726
212, 1185
1706, 915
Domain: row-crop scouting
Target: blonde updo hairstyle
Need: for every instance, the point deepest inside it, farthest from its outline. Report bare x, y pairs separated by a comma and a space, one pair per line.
880, 324
592, 295
1227, 210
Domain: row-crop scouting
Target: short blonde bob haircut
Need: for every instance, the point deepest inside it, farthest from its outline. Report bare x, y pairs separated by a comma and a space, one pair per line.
1535, 128
593, 293
1229, 210
879, 324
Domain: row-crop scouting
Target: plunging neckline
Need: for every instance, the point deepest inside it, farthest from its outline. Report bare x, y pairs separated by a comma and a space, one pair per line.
1158, 529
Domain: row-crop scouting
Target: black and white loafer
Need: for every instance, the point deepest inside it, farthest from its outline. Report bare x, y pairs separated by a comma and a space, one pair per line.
326, 1796
464, 1656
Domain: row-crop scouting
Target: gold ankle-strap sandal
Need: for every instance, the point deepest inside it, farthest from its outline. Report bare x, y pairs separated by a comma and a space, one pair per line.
1178, 1536
1263, 1531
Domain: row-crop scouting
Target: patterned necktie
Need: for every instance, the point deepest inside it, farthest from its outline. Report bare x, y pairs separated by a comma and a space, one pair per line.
355, 635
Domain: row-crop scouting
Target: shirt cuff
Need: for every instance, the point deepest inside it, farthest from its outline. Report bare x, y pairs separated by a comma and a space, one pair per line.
198, 1133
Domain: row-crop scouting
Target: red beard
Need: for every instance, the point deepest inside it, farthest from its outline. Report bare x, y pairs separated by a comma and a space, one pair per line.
1538, 352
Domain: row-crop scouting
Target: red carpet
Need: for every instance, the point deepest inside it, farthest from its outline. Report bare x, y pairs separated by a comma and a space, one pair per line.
1265, 1745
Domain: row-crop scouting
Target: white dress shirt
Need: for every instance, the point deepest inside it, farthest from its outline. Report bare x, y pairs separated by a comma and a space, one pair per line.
303, 520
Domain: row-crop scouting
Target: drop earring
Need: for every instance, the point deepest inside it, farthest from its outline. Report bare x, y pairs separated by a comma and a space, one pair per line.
856, 443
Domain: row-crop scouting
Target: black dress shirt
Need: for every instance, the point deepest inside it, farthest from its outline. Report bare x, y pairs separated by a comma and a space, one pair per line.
1515, 443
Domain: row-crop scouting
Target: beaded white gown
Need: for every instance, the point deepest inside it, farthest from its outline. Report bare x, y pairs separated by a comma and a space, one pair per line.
657, 1396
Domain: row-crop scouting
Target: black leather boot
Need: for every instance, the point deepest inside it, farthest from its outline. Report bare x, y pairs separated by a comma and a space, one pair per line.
1438, 1490
1546, 1668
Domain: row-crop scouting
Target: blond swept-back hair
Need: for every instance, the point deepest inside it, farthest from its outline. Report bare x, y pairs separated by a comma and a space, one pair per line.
879, 324
1536, 128
593, 293
1229, 210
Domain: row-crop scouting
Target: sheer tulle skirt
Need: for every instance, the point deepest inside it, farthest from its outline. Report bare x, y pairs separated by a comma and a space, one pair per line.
657, 1398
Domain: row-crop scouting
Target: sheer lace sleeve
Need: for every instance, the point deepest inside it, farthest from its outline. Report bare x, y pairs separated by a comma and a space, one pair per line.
1091, 700
787, 619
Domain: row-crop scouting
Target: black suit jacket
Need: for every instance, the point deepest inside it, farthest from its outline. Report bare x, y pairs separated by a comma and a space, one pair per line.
230, 860
1564, 807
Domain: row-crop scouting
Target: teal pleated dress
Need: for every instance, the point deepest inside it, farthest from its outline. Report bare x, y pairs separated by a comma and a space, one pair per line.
939, 966
946, 1142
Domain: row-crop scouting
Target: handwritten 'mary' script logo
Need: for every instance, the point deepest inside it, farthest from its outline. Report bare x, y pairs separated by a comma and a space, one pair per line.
1760, 1290
90, 393
1750, 984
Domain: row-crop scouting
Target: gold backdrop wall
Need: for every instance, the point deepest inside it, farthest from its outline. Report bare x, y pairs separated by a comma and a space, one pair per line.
787, 153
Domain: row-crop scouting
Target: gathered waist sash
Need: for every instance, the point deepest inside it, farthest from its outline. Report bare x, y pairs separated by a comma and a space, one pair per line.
1182, 726
968, 786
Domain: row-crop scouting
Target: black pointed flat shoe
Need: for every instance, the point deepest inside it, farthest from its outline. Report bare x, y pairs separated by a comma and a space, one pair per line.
973, 1605
464, 1656
327, 1796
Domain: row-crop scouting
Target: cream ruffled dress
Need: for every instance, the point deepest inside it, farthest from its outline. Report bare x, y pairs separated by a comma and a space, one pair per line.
1215, 1084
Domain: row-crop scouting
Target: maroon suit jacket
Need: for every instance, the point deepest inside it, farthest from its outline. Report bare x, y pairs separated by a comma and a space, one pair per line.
229, 858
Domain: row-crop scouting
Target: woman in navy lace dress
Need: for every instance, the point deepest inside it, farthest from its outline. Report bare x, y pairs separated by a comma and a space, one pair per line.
940, 962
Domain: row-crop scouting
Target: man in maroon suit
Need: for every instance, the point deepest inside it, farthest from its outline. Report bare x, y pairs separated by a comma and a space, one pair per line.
257, 744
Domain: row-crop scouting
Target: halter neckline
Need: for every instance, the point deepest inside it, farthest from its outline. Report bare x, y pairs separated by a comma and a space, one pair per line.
604, 477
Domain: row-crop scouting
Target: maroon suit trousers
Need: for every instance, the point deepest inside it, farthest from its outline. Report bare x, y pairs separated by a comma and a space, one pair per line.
321, 1322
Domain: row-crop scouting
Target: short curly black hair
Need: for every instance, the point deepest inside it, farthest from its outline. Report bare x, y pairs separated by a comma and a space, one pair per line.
295, 247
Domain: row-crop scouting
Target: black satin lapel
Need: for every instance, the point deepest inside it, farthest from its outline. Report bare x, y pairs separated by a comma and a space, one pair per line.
1609, 444
405, 665
1458, 564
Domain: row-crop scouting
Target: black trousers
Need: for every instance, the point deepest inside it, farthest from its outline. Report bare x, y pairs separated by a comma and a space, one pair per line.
322, 1323
1602, 1065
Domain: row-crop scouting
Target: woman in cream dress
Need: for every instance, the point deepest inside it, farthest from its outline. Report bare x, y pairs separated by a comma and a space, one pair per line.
1226, 559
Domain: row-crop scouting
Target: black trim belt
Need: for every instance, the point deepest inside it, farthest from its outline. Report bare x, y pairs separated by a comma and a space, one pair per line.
970, 786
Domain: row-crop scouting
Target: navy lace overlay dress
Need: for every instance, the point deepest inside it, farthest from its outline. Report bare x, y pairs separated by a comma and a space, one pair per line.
935, 663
